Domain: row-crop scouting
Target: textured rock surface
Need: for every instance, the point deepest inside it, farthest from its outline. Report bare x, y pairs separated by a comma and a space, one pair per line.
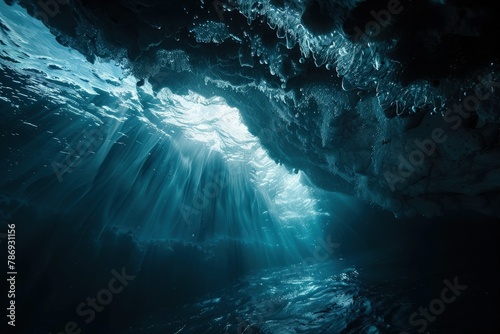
405, 116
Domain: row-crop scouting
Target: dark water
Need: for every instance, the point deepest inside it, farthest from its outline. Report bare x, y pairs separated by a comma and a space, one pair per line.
372, 283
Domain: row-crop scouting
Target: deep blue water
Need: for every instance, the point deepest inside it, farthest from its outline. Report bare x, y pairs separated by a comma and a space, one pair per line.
165, 211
